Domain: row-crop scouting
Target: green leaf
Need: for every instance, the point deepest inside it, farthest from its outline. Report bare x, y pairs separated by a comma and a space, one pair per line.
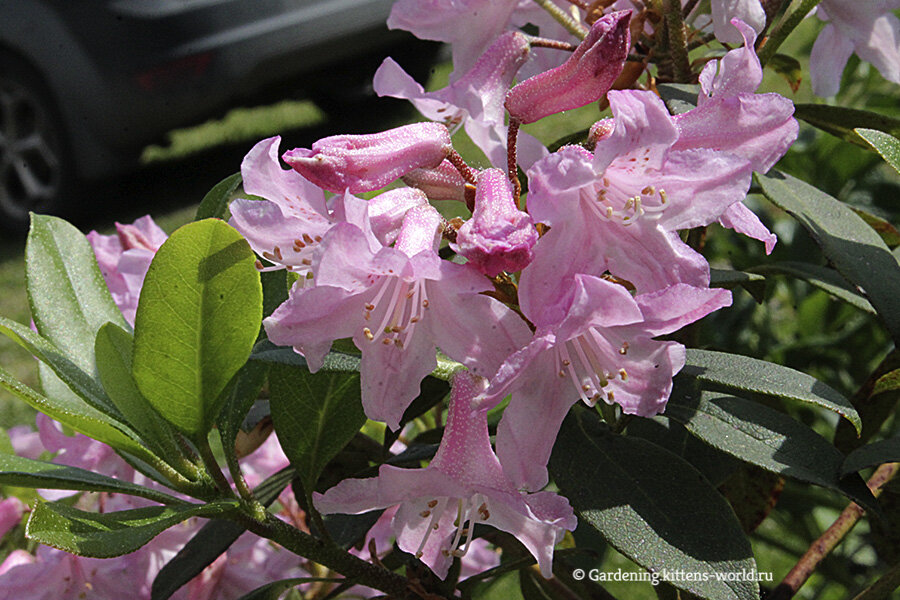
25, 472
105, 535
872, 455
113, 348
728, 279
533, 586
68, 298
841, 122
213, 539
335, 361
240, 394
789, 68
733, 372
315, 416
88, 389
652, 506
274, 590
768, 439
198, 316
827, 280
888, 146
72, 412
854, 249
883, 227
215, 202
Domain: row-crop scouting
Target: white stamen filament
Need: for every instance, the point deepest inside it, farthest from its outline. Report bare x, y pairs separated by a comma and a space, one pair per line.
435, 516
404, 306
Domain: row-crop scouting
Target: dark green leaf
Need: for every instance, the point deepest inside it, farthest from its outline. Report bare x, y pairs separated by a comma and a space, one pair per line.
789, 68
240, 394
274, 590
215, 202
315, 416
68, 298
533, 586
679, 97
872, 455
266, 351
81, 417
723, 371
75, 386
841, 122
199, 314
883, 227
113, 348
347, 530
105, 535
728, 279
652, 506
827, 280
213, 539
24, 472
856, 251
888, 146
768, 439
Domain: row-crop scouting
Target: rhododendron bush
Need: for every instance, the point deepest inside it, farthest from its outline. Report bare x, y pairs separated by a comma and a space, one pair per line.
379, 366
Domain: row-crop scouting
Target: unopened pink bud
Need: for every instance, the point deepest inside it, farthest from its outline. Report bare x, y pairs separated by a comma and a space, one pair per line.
599, 131
443, 182
584, 78
361, 163
498, 237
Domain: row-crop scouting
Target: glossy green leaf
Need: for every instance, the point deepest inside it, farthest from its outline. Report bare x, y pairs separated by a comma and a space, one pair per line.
768, 439
275, 589
213, 539
854, 249
888, 146
215, 203
733, 372
68, 298
315, 416
72, 412
827, 280
113, 348
199, 314
240, 394
872, 455
652, 506
74, 385
25, 472
841, 122
105, 535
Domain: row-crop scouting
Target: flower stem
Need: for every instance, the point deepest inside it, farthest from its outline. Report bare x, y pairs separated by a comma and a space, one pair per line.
512, 162
795, 13
329, 555
678, 49
212, 466
831, 538
563, 19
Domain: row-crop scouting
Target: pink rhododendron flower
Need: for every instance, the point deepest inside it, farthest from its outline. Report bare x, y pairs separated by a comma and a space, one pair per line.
584, 78
362, 163
474, 101
731, 118
498, 237
868, 29
386, 211
464, 484
397, 304
11, 512
750, 12
596, 344
124, 259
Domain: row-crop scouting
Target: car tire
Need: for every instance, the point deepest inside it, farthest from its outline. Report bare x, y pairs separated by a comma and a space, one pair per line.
36, 170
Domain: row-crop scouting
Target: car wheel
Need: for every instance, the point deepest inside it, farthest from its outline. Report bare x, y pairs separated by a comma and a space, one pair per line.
34, 171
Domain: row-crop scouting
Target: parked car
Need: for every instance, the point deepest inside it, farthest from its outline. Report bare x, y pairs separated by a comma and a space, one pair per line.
86, 84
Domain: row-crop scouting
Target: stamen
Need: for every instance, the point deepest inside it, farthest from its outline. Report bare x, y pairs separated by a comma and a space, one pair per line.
308, 239
278, 254
623, 374
432, 526
624, 349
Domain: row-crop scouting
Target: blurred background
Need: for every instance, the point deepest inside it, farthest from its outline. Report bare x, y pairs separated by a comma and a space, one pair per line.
112, 109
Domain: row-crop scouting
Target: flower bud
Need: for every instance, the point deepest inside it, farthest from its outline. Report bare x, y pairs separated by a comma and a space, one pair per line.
361, 163
584, 78
443, 182
498, 237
